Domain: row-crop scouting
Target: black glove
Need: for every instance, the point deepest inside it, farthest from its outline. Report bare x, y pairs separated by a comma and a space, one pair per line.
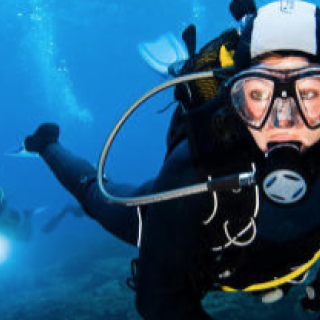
46, 134
311, 301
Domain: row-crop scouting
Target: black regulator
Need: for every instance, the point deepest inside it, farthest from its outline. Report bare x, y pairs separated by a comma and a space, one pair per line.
285, 176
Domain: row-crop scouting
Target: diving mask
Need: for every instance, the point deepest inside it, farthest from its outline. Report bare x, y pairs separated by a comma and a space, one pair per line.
281, 98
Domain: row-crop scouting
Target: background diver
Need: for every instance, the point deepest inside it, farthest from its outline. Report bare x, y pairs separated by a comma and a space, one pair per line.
16, 224
263, 116
19, 224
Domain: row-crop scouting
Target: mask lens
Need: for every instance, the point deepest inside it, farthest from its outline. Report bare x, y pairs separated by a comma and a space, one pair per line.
308, 92
251, 98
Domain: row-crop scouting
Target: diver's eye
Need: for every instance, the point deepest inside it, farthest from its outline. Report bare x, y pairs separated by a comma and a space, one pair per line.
308, 94
259, 95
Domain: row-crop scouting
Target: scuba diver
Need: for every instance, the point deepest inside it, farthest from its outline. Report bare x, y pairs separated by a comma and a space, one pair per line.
235, 206
16, 224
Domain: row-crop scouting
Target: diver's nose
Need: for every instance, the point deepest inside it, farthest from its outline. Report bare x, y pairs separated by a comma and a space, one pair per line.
284, 114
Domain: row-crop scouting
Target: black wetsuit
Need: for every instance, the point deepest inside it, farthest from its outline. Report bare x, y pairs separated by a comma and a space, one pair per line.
176, 260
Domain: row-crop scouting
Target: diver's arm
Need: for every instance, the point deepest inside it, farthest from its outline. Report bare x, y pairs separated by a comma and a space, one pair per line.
55, 220
169, 247
79, 177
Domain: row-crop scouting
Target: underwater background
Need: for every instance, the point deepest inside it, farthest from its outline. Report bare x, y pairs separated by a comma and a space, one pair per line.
76, 63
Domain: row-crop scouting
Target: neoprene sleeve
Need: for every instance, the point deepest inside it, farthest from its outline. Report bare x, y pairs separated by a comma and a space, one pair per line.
79, 178
170, 236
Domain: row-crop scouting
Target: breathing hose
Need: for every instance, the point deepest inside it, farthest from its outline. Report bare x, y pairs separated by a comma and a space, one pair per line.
228, 182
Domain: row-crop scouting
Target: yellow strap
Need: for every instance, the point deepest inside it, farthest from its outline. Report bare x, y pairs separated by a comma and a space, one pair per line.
280, 281
226, 57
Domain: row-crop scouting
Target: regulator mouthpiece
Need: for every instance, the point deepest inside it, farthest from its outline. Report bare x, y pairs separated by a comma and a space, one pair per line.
283, 179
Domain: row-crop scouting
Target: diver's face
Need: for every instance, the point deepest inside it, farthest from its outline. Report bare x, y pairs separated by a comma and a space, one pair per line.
284, 131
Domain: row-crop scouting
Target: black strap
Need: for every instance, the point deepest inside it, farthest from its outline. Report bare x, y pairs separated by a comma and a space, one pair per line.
240, 8
189, 37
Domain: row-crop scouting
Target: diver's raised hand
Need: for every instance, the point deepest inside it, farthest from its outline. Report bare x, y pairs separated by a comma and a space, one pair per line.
46, 134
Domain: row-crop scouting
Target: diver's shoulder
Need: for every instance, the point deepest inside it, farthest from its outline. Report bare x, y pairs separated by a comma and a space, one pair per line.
180, 156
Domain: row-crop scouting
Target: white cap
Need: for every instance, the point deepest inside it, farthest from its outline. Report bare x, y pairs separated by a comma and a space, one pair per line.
279, 28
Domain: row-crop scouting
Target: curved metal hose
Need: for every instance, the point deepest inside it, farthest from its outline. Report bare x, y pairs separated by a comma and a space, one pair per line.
171, 194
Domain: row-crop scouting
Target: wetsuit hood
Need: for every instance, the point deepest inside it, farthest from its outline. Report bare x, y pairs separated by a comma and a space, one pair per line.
282, 26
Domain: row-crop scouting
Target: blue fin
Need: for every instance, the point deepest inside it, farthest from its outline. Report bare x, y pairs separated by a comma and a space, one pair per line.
163, 52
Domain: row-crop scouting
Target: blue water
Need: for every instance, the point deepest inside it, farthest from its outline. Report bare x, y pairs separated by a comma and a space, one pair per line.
76, 63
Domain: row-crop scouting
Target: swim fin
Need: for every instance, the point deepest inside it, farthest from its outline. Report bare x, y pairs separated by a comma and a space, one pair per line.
163, 52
